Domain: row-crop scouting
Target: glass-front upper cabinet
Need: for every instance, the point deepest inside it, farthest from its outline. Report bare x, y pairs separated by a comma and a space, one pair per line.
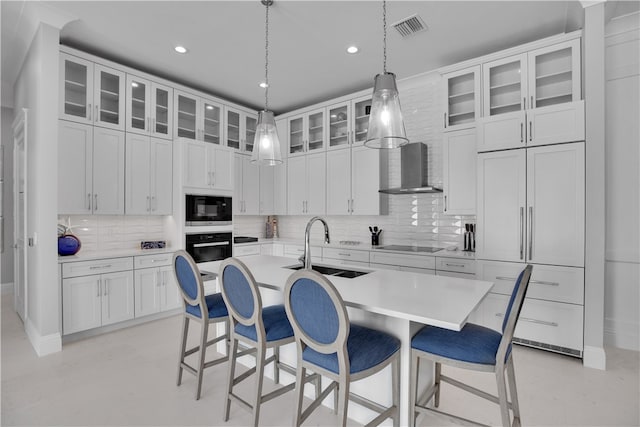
91, 93
250, 125
505, 85
233, 129
186, 111
211, 126
461, 98
161, 110
149, 104
307, 132
198, 118
241, 129
339, 126
361, 108
554, 74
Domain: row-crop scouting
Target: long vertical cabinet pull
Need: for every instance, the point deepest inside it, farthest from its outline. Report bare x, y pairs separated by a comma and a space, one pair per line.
98, 288
530, 130
97, 116
89, 111
522, 232
89, 201
105, 287
521, 132
530, 233
445, 120
95, 202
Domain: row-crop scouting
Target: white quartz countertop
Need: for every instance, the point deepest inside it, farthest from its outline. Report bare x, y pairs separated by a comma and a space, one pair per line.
364, 247
440, 301
115, 253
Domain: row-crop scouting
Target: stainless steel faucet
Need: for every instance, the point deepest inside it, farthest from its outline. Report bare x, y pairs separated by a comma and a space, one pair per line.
306, 257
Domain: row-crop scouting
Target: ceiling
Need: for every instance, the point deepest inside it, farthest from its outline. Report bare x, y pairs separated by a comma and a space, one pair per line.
307, 40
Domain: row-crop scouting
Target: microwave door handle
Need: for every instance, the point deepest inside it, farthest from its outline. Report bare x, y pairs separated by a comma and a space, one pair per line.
204, 245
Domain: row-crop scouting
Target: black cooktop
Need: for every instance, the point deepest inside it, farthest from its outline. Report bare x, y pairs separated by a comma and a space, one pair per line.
427, 249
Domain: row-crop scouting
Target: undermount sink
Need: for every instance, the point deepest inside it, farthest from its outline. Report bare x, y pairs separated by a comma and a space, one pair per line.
331, 271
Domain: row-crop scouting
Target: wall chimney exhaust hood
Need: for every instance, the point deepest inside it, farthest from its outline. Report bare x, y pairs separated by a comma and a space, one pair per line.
413, 171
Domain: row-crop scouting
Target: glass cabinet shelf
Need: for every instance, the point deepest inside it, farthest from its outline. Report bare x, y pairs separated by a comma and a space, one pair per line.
75, 83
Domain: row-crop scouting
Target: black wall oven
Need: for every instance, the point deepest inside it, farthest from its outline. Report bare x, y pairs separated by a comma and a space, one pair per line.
207, 210
211, 246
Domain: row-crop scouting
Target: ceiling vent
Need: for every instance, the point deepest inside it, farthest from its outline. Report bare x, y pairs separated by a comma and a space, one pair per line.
409, 26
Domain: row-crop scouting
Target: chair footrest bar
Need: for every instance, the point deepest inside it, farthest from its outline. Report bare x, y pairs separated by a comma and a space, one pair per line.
216, 361
427, 395
237, 380
318, 401
216, 339
241, 401
383, 416
188, 368
472, 390
191, 351
275, 393
367, 403
451, 417
288, 369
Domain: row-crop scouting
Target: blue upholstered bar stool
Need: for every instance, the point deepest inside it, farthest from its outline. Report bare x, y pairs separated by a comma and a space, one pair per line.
474, 347
256, 327
330, 345
204, 309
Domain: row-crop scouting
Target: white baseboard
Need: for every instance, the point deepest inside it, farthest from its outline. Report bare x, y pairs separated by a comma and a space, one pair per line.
622, 334
43, 345
7, 287
594, 357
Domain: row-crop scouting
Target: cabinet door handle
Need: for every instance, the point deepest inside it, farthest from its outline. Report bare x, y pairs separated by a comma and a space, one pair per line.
530, 233
521, 232
97, 116
148, 123
531, 105
154, 203
105, 287
524, 102
343, 254
537, 282
445, 120
454, 265
445, 203
89, 112
98, 288
153, 124
213, 179
96, 267
95, 202
531, 130
521, 132
148, 203
88, 201
158, 281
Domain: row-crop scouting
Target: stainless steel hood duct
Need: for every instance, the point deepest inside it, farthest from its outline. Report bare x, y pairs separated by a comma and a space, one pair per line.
413, 171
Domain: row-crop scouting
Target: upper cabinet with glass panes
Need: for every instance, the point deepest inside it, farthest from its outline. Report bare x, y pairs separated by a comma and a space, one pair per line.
198, 118
307, 132
91, 93
149, 108
461, 98
240, 129
348, 122
533, 98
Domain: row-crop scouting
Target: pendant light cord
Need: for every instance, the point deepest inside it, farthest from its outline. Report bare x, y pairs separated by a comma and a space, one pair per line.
384, 38
266, 59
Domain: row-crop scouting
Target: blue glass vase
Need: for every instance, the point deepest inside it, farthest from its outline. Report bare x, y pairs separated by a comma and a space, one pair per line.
68, 244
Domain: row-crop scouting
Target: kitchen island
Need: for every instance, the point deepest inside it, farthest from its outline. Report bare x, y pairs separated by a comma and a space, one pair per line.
397, 302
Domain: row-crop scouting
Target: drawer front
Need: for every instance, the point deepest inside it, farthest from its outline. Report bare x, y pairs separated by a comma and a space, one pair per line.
403, 260
294, 250
148, 261
107, 265
246, 250
345, 254
456, 265
454, 274
552, 325
418, 270
548, 282
384, 266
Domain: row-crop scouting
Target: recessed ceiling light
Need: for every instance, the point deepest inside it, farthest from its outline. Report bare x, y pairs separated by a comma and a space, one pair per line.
352, 49
180, 49
263, 85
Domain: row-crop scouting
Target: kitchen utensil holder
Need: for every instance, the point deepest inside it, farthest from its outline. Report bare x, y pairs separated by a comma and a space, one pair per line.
375, 240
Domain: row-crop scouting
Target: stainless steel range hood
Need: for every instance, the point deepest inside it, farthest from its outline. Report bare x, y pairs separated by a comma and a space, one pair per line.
413, 171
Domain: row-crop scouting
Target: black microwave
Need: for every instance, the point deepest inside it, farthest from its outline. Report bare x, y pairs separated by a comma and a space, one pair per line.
207, 210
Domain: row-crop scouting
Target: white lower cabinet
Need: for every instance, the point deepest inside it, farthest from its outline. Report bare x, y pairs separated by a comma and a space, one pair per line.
156, 289
345, 256
246, 250
95, 293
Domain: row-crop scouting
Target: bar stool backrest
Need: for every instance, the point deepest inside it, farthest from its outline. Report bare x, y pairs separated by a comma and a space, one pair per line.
241, 294
189, 281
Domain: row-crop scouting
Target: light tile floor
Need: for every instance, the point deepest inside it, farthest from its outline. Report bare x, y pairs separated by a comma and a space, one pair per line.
127, 378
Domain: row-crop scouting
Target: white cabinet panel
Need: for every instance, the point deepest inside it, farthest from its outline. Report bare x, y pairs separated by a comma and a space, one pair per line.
207, 166
556, 123
425, 262
461, 98
149, 108
345, 254
81, 304
246, 250
365, 181
246, 187
459, 172
339, 182
306, 184
117, 297
108, 171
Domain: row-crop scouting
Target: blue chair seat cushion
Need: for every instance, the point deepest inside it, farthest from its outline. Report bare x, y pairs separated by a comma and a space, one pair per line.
276, 325
473, 344
366, 348
215, 305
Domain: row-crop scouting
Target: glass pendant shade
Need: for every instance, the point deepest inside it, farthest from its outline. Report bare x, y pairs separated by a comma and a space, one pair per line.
386, 126
266, 145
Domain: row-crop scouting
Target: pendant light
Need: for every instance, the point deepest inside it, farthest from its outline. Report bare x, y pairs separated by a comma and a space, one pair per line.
266, 145
386, 127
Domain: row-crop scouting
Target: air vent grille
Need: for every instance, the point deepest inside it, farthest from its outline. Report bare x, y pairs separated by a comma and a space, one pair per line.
409, 26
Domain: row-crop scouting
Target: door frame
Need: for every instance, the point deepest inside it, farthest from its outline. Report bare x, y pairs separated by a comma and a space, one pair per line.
20, 129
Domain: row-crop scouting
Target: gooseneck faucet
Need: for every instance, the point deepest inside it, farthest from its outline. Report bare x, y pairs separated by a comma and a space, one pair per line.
306, 257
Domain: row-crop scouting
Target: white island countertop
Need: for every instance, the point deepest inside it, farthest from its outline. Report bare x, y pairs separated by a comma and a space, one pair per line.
440, 301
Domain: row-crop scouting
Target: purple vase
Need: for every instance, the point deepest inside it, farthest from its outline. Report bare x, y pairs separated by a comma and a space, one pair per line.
68, 244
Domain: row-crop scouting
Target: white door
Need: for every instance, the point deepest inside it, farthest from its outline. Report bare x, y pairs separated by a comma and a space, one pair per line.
81, 303
461, 104
161, 182
316, 184
296, 185
138, 109
266, 189
146, 292
501, 212
161, 111
222, 174
186, 116
170, 296
108, 97
250, 186
76, 89
20, 214
238, 202
138, 165
365, 181
75, 168
555, 204
195, 165
459, 172
117, 297
108, 171
339, 182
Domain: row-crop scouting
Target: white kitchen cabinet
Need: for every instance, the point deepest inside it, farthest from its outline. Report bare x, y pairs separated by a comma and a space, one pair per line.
246, 195
98, 299
198, 118
533, 98
267, 189
149, 108
91, 93
306, 184
345, 256
461, 98
353, 181
91, 162
155, 287
459, 172
246, 250
207, 166
149, 175
306, 132
348, 122
280, 174
241, 129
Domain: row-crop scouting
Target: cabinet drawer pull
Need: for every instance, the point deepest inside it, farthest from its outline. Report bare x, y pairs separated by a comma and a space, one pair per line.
96, 267
341, 254
536, 321
454, 265
105, 288
530, 233
208, 245
537, 282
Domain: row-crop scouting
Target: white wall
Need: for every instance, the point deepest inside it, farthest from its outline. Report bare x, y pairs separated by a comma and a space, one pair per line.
7, 195
36, 89
622, 177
